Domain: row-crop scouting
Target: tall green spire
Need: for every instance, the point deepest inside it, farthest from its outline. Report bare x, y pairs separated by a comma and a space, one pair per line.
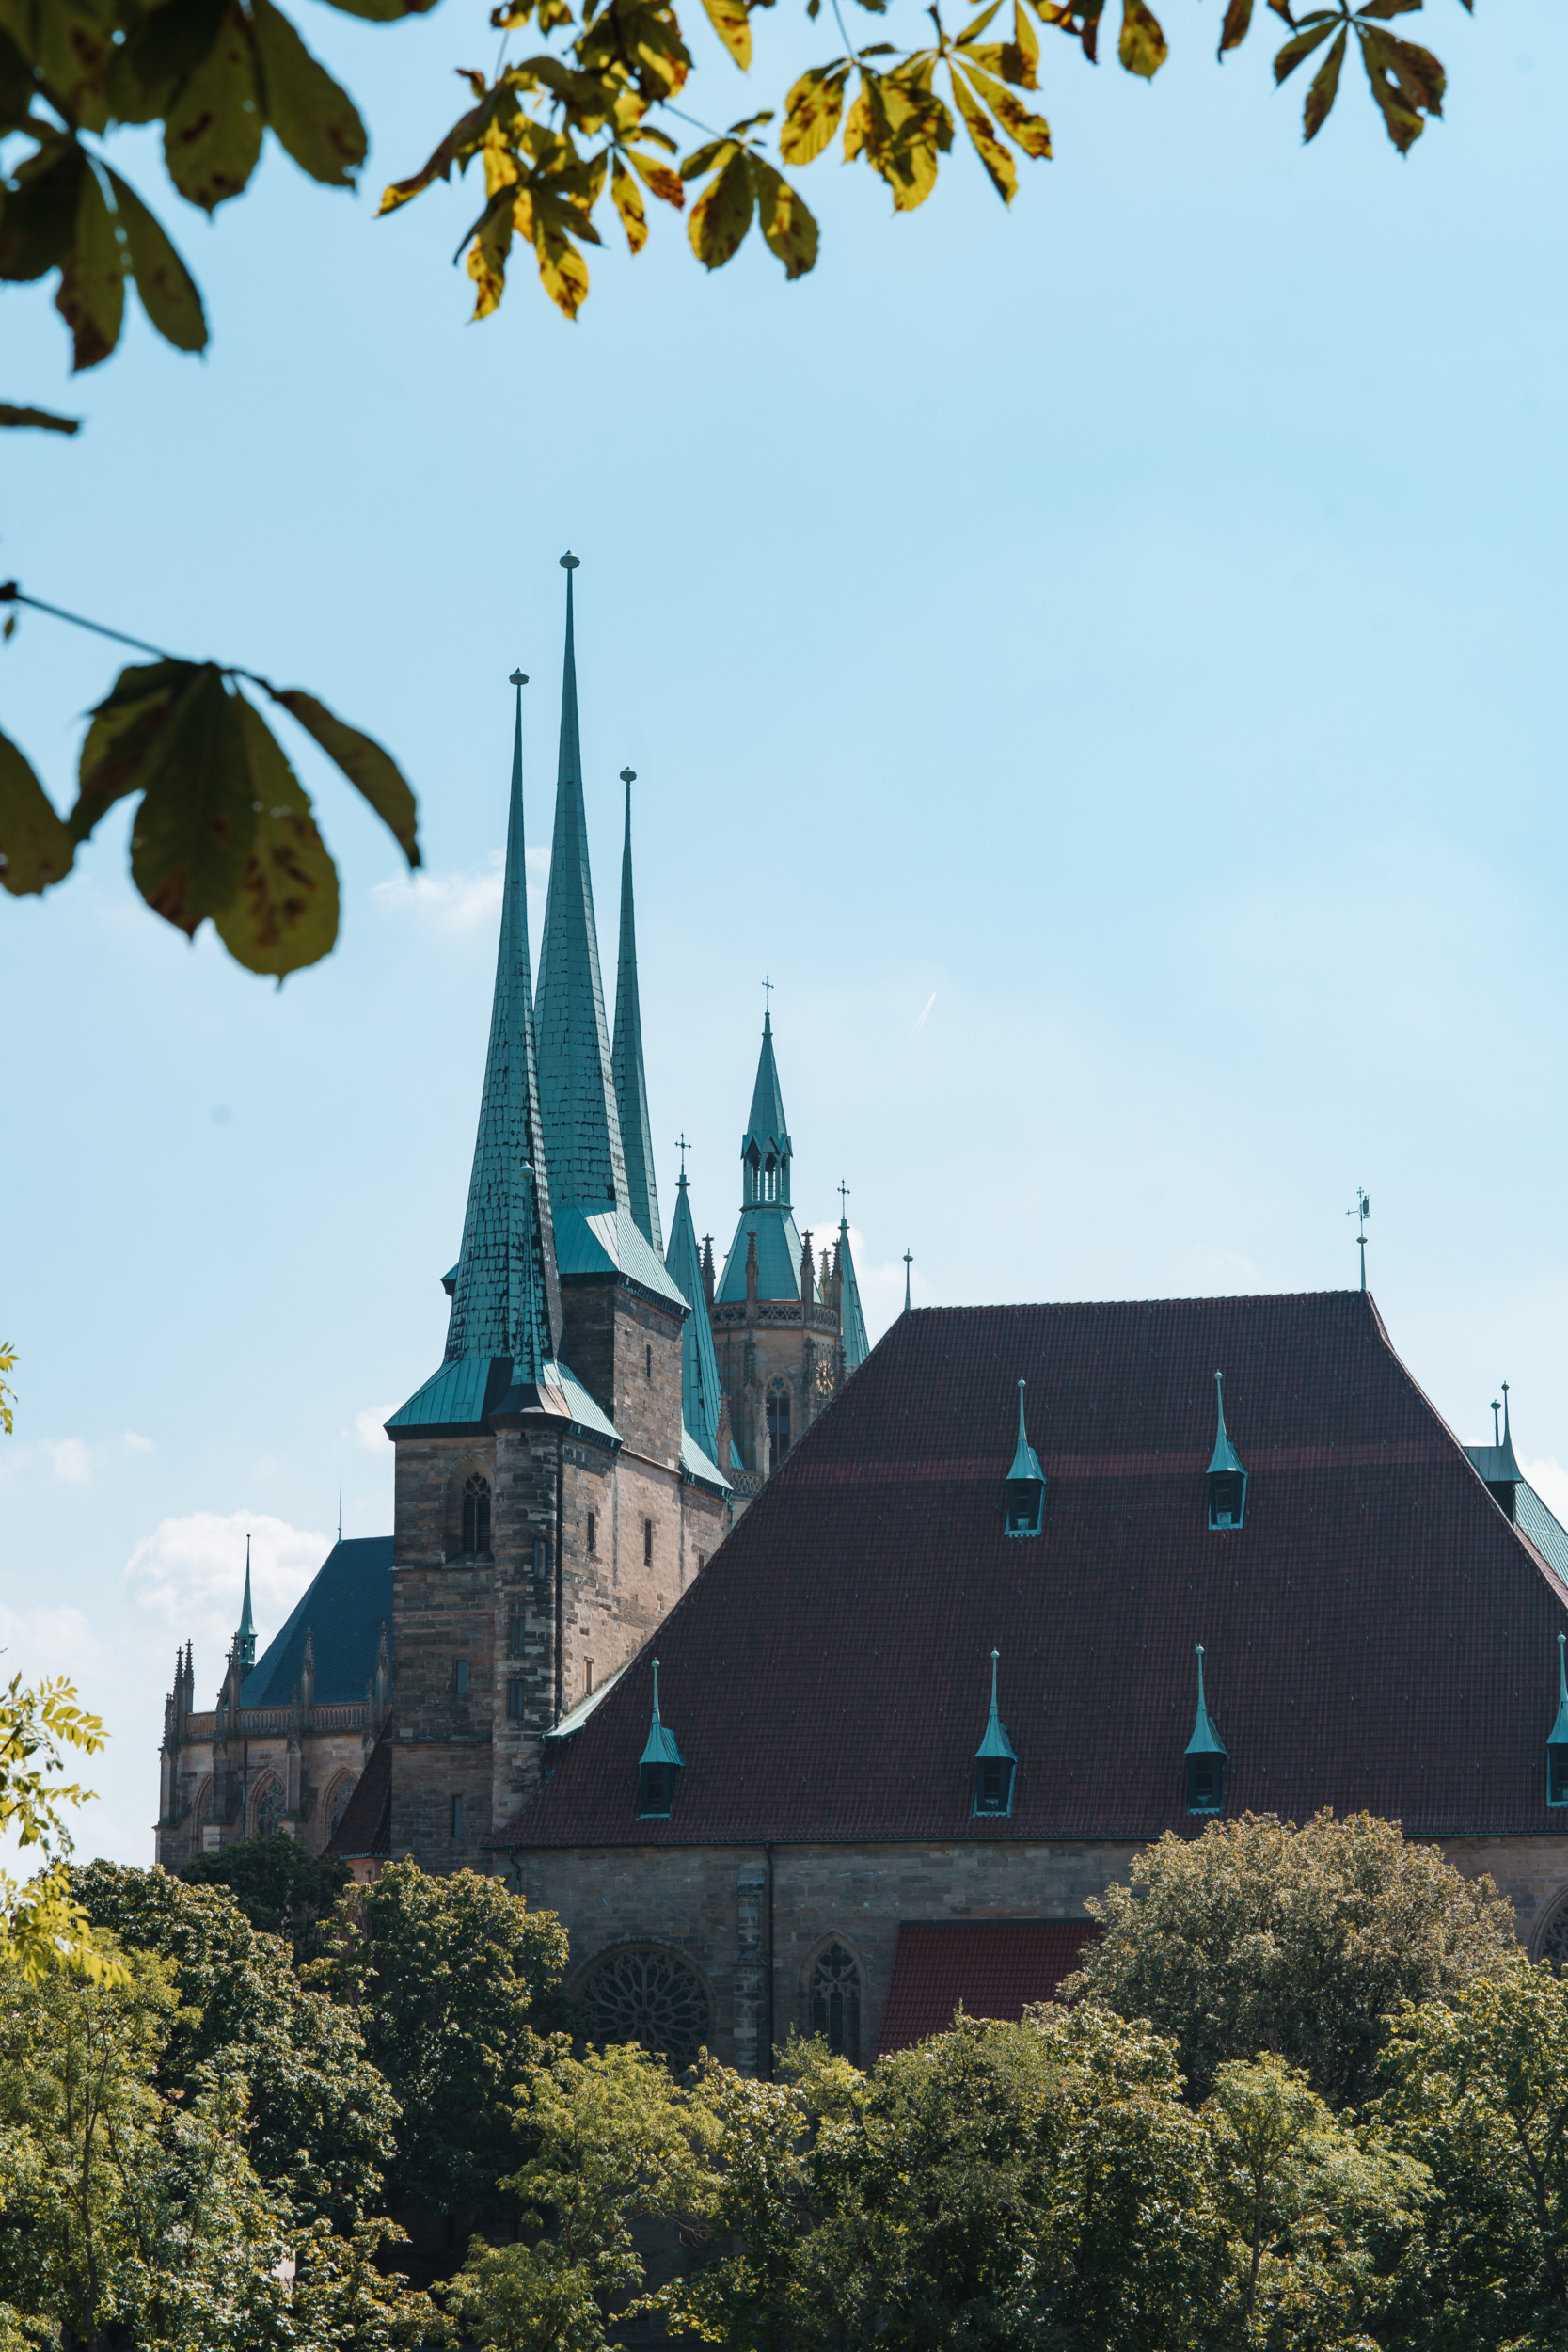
767, 1136
577, 1086
506, 1299
699, 1364
631, 1085
857, 1347
245, 1640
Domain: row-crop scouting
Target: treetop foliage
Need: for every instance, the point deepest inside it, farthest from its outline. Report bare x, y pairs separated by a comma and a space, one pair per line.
1259, 1936
281, 1885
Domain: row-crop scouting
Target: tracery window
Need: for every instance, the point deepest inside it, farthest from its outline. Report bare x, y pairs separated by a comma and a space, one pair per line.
641, 1993
1553, 1945
268, 1806
476, 1515
340, 1796
778, 1424
833, 2002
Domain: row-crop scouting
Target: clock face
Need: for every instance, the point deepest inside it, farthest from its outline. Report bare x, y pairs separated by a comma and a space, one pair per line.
824, 1376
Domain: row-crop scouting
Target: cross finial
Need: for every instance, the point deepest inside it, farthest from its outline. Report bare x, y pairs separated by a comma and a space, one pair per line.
1362, 1211
518, 677
629, 775
684, 1147
843, 1200
768, 992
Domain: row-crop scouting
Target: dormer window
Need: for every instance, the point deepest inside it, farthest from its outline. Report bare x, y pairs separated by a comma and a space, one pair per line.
658, 1769
1557, 1741
996, 1764
1227, 1478
476, 1516
1206, 1757
1026, 1506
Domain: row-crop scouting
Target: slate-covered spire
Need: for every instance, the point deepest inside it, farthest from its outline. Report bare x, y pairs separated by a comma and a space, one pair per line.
577, 1084
1207, 1757
699, 1365
245, 1640
857, 1347
631, 1086
506, 1300
766, 1148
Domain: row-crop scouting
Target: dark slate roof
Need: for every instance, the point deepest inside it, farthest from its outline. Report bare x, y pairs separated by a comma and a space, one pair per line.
366, 1827
1377, 1634
995, 1967
345, 1605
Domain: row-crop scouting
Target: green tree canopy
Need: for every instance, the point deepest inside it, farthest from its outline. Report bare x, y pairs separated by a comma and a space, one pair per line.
1259, 1937
281, 1885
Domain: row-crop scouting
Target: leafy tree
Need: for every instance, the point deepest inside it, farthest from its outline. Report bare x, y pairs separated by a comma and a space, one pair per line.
447, 1978
319, 2117
42, 1928
1259, 1937
281, 1885
1479, 2094
8, 1395
617, 2140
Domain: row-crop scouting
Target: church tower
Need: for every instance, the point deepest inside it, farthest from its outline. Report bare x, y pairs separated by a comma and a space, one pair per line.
549, 1508
788, 1327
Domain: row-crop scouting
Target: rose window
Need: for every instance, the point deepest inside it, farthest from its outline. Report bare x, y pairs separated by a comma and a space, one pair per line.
642, 1994
1553, 1943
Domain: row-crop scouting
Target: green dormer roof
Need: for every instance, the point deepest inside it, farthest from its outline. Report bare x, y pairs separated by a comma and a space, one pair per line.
1225, 1456
631, 1085
662, 1747
506, 1300
1027, 1462
598, 1240
996, 1742
1557, 1736
577, 1086
699, 1365
1205, 1740
857, 1347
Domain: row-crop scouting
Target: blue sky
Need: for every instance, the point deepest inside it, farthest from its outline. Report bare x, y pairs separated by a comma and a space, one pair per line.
1126, 629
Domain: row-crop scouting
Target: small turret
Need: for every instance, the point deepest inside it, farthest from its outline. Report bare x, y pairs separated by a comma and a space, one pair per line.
996, 1762
659, 1766
1207, 1757
1557, 1739
708, 1270
808, 1279
1026, 1483
1227, 1478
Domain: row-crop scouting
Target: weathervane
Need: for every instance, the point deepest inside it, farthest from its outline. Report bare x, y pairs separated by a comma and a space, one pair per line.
1363, 1210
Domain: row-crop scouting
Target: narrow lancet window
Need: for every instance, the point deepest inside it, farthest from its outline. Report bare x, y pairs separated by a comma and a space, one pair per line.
659, 1767
1557, 1742
1227, 1478
476, 1516
1207, 1757
1026, 1483
996, 1764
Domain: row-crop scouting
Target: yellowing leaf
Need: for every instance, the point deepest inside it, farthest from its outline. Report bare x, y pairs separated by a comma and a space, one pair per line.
626, 196
372, 771
127, 738
1238, 17
723, 214
1286, 59
731, 19
658, 178
213, 131
192, 837
788, 227
1324, 89
90, 296
457, 147
284, 914
1407, 83
1030, 132
1142, 47
35, 849
904, 127
813, 112
316, 121
1079, 19
563, 271
982, 131
167, 291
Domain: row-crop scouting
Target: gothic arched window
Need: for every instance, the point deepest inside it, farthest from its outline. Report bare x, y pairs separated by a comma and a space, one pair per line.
268, 1806
476, 1516
834, 2002
1552, 1944
778, 1424
641, 1993
339, 1806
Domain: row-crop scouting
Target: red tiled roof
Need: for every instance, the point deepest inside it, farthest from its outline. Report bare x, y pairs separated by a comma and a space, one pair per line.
1376, 1635
366, 1827
995, 1967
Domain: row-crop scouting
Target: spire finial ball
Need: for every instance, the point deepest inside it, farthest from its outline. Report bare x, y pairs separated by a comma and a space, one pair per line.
629, 775
518, 677
569, 563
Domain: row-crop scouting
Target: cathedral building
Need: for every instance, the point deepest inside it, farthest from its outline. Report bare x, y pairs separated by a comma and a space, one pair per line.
570, 1467
1041, 1583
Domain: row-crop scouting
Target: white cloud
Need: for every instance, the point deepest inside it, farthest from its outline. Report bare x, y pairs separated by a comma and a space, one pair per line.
190, 1572
1550, 1480
135, 1444
369, 1427
463, 902
68, 1458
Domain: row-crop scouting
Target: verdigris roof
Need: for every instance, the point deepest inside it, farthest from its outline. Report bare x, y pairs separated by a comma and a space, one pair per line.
778, 1256
505, 1296
603, 1241
857, 1347
767, 1127
699, 1365
1376, 1635
577, 1087
343, 1608
464, 1395
632, 1084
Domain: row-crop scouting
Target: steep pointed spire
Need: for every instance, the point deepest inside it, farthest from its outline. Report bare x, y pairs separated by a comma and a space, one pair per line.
766, 1148
1205, 1740
1560, 1730
506, 1298
699, 1364
1026, 1483
995, 1760
1226, 1474
631, 1086
245, 1640
857, 1347
577, 1084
